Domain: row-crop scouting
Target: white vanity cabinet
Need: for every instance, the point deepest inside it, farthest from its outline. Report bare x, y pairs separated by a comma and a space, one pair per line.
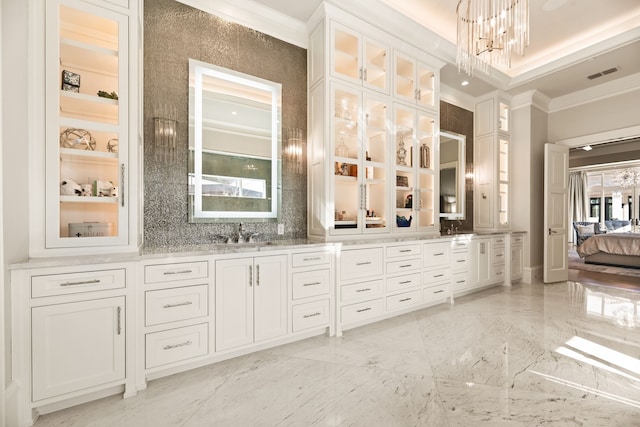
86, 184
71, 327
177, 317
517, 256
492, 164
437, 270
498, 258
368, 145
251, 300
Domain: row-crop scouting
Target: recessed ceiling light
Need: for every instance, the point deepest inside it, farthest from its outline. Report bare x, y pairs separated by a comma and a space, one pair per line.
587, 148
464, 82
551, 5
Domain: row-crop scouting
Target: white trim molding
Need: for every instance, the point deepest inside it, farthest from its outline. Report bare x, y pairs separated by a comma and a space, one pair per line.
457, 98
529, 98
602, 137
605, 90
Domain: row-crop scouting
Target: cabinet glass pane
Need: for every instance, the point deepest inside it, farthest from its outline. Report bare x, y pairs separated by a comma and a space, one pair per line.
404, 77
375, 145
426, 85
404, 119
345, 54
503, 207
424, 135
375, 65
504, 160
86, 133
503, 122
426, 209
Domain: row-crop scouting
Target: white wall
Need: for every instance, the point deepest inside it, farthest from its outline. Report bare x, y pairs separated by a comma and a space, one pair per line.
602, 115
15, 136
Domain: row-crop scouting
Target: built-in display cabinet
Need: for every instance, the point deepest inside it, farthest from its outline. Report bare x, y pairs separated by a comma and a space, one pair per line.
371, 149
89, 190
492, 164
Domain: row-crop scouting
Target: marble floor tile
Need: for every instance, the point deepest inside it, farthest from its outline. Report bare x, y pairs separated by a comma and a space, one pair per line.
531, 355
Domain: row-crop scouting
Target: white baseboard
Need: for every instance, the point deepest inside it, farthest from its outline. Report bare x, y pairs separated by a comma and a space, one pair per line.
532, 274
11, 405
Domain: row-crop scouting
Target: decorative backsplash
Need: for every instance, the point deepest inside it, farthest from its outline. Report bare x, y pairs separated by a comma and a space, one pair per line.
173, 33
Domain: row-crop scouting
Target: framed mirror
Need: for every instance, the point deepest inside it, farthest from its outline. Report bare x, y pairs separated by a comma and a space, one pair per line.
452, 169
234, 145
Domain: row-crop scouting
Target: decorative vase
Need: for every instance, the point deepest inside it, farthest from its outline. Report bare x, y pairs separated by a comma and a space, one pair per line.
402, 152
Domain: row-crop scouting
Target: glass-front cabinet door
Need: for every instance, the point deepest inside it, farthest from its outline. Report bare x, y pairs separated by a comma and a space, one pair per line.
359, 181
415, 178
414, 81
359, 59
86, 125
503, 182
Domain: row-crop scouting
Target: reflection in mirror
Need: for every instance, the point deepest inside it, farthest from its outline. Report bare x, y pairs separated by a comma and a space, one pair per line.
452, 168
234, 145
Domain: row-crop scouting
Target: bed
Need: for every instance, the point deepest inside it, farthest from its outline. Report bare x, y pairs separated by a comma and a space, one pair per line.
619, 249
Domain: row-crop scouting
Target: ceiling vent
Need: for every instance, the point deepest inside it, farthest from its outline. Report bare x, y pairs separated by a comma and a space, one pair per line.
603, 73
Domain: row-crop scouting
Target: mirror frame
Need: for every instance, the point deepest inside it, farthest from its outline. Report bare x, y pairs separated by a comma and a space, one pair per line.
197, 70
460, 176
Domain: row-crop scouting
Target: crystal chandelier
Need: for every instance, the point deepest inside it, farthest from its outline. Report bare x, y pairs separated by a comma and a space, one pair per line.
628, 177
489, 31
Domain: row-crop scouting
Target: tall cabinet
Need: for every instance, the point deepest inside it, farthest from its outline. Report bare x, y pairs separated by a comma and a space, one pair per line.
373, 126
91, 128
492, 164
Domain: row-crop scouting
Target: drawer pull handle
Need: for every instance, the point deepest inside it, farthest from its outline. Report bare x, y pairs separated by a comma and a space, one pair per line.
315, 258
438, 275
461, 260
180, 304
172, 346
405, 299
119, 320
461, 281
168, 273
405, 250
439, 292
363, 309
406, 265
312, 284
364, 263
439, 254
84, 282
405, 282
363, 290
306, 316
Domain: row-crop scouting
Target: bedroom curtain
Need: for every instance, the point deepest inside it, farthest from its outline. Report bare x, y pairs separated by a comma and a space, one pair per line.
578, 199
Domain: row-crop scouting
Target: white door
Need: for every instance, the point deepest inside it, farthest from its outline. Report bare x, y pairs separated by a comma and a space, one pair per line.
234, 303
77, 345
270, 302
556, 201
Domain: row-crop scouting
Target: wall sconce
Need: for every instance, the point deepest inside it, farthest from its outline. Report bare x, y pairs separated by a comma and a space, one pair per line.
165, 133
293, 150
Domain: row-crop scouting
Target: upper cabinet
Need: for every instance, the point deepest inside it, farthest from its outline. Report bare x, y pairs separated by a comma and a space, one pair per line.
371, 150
359, 59
492, 164
91, 132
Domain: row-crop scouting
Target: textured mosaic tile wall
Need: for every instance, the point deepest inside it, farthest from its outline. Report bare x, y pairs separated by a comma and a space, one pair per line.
459, 120
173, 33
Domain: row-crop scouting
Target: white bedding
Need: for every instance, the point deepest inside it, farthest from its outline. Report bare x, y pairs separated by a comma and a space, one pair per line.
615, 243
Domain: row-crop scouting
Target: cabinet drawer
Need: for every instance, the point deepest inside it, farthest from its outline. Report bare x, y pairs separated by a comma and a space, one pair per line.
169, 305
401, 282
437, 276
310, 283
310, 258
460, 244
71, 283
405, 299
362, 311
404, 265
517, 240
460, 281
460, 261
403, 251
310, 315
361, 291
498, 255
498, 241
175, 345
498, 272
436, 293
437, 254
361, 263
176, 271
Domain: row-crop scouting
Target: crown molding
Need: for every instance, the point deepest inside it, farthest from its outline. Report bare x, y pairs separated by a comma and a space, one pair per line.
605, 90
602, 137
457, 98
256, 16
531, 98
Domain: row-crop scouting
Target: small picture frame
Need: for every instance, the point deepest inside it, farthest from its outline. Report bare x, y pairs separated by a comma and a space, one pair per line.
70, 78
402, 181
70, 88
